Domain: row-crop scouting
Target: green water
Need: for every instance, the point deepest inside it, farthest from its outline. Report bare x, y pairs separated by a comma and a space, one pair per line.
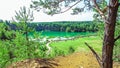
63, 34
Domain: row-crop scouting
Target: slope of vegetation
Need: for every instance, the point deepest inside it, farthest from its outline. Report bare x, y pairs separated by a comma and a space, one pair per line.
15, 47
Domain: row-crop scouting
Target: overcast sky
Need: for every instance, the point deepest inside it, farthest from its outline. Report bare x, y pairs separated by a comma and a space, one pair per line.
8, 7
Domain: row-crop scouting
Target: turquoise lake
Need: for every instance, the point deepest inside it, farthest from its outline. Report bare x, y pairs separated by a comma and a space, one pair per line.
62, 34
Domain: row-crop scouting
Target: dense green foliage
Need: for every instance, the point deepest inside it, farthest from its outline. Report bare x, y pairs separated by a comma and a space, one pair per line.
5, 32
14, 46
67, 26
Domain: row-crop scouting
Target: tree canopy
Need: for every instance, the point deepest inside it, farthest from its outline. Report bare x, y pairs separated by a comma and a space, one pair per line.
52, 7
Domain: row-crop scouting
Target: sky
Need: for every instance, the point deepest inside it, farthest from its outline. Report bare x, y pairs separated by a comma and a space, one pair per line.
8, 7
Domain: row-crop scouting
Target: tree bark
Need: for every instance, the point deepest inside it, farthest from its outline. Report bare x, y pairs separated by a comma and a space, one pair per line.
108, 42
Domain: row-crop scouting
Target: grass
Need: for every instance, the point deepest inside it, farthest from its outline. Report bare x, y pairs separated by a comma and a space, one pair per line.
60, 48
76, 45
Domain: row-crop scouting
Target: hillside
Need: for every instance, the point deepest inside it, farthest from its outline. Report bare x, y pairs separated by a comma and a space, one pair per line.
75, 60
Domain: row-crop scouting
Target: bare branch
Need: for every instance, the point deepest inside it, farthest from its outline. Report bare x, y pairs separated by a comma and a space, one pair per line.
70, 7
99, 11
118, 37
94, 53
97, 8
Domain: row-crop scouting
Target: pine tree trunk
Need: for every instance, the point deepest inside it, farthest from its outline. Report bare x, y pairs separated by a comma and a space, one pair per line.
108, 42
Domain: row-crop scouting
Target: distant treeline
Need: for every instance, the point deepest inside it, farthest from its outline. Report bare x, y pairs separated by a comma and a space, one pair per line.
64, 26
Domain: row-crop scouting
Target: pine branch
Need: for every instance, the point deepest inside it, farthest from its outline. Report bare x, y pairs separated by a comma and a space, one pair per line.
69, 7
94, 53
100, 11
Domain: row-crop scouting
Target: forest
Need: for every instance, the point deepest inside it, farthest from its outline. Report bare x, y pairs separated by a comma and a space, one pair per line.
67, 26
